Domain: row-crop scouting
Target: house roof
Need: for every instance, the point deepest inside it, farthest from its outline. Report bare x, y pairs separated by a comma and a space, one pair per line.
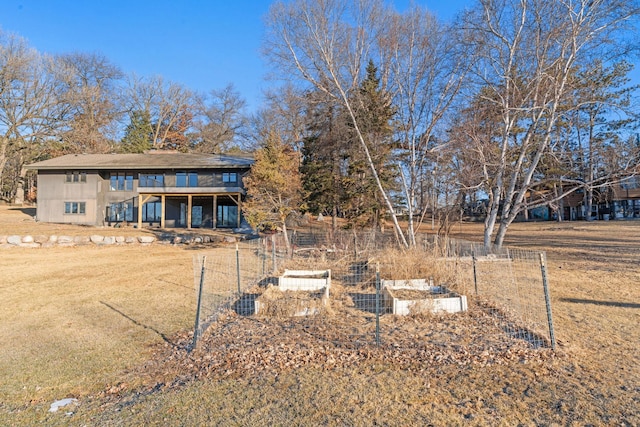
156, 160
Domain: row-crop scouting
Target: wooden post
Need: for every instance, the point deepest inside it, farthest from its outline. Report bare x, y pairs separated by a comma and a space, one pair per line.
239, 210
162, 210
215, 211
140, 203
189, 211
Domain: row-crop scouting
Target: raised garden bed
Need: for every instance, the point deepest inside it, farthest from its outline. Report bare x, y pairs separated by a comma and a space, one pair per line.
414, 296
299, 293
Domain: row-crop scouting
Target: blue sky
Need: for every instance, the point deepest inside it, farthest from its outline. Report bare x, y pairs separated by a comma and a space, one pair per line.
203, 44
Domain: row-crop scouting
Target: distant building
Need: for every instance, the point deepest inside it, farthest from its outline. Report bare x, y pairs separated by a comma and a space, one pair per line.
616, 201
155, 189
625, 199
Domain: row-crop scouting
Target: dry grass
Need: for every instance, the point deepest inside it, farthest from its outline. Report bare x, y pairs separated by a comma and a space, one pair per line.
106, 325
21, 221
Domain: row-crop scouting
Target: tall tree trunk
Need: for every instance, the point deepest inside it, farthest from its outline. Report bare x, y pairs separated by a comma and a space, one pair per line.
19, 197
4, 142
285, 235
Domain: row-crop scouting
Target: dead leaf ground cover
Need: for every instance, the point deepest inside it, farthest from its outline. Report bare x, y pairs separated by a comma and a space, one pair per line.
109, 326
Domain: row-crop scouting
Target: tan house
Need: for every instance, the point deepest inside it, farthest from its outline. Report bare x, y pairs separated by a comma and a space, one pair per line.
154, 189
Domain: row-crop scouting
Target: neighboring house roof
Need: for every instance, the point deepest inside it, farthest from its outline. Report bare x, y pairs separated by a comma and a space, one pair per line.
159, 160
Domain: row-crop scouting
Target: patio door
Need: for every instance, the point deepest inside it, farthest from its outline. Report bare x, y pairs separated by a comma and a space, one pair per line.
227, 216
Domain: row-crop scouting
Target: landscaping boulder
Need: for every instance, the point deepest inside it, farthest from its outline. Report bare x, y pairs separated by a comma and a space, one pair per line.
97, 238
146, 239
14, 240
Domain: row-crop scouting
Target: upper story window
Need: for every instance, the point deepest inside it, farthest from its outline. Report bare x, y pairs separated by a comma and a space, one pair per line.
151, 180
121, 181
228, 177
75, 176
186, 179
192, 178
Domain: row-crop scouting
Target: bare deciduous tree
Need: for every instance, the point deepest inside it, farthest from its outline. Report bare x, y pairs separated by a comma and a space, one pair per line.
29, 105
89, 88
221, 121
170, 107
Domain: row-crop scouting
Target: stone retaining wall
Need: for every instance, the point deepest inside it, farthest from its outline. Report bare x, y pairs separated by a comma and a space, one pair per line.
42, 241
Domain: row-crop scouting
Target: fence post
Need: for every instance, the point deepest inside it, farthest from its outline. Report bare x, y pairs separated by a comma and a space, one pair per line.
355, 247
196, 329
475, 276
263, 253
238, 268
273, 253
547, 298
378, 304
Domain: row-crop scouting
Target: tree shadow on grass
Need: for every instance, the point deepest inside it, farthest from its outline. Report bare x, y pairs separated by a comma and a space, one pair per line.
605, 303
137, 323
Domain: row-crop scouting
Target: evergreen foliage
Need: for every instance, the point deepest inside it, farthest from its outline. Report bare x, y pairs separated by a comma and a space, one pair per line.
273, 185
137, 137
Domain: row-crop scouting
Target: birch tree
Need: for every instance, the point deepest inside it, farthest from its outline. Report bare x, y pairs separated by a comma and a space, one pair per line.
421, 63
328, 43
427, 68
528, 49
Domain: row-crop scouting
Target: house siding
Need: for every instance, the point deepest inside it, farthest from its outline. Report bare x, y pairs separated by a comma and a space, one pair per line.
54, 191
98, 196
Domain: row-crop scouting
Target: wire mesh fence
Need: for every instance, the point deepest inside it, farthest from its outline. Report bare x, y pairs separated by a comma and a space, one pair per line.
358, 290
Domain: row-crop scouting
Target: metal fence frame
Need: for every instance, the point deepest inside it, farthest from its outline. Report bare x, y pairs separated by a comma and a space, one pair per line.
509, 284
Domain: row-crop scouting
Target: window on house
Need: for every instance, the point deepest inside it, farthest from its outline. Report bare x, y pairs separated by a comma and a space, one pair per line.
152, 211
181, 179
122, 211
75, 208
229, 177
121, 181
151, 180
193, 179
186, 179
76, 176
227, 216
